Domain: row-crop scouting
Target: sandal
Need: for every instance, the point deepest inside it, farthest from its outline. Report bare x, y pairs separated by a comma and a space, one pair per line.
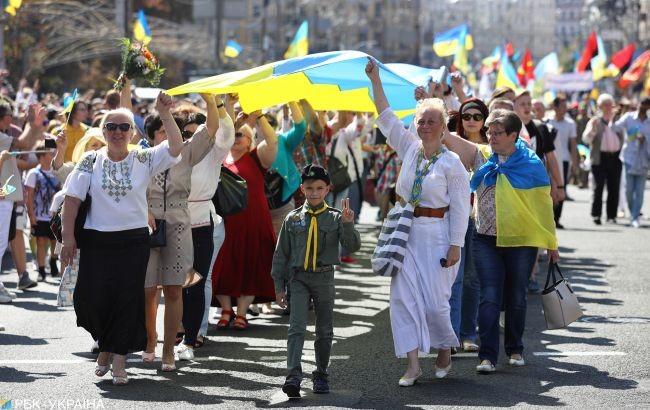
179, 338
241, 323
224, 323
149, 357
120, 380
101, 370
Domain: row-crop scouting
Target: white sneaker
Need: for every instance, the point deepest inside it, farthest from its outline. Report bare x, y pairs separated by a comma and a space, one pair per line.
185, 352
486, 366
5, 295
516, 360
635, 223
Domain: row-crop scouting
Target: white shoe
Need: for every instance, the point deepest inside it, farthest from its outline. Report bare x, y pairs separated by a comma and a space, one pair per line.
5, 295
516, 361
185, 352
409, 381
635, 223
486, 366
95, 347
442, 372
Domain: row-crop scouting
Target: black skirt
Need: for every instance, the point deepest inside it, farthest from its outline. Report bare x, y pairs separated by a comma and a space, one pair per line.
109, 295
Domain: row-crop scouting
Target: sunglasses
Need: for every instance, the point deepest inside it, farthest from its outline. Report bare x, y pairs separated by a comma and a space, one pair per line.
475, 117
111, 126
239, 134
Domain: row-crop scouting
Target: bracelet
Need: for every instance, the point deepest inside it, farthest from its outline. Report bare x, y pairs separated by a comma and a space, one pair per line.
220, 105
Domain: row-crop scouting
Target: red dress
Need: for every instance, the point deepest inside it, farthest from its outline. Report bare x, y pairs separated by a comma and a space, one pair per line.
243, 266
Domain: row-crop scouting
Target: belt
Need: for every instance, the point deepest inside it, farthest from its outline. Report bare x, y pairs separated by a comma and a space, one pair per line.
319, 269
421, 211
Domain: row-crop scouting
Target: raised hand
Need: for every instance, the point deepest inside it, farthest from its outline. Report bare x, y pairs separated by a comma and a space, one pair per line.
456, 79
61, 141
372, 70
420, 93
347, 214
164, 103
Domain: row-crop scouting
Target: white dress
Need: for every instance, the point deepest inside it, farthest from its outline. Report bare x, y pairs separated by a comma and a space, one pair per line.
420, 292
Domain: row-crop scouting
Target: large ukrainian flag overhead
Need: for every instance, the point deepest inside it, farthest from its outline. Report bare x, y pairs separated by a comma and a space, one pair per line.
524, 209
300, 44
446, 44
141, 31
329, 81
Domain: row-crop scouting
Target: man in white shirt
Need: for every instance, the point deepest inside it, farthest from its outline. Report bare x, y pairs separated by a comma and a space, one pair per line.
565, 146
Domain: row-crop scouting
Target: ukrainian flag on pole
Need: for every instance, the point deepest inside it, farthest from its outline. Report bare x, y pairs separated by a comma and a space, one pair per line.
300, 45
507, 76
141, 31
69, 101
446, 44
232, 49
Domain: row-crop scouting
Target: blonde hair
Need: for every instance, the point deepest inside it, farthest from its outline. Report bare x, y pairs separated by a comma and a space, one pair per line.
82, 145
431, 104
248, 131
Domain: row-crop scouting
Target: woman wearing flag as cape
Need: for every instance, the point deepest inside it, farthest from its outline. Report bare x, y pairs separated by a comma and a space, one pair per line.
514, 217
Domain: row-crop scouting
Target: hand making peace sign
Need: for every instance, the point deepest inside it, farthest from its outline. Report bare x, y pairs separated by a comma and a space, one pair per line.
347, 213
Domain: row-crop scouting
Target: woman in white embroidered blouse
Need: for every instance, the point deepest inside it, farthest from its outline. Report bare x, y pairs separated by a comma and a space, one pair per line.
109, 296
434, 179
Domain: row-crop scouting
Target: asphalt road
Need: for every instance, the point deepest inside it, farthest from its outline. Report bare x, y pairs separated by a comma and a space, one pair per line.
602, 361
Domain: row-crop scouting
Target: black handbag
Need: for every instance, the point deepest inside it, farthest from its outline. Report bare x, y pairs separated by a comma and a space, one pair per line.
339, 176
231, 196
158, 238
56, 224
273, 185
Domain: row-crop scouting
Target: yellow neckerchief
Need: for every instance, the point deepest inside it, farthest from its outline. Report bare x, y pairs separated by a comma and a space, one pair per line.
313, 233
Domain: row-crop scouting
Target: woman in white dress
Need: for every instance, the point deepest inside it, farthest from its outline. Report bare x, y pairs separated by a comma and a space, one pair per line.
433, 179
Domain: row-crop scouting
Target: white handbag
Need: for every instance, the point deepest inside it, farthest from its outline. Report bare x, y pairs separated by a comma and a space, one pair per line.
561, 306
388, 257
64, 297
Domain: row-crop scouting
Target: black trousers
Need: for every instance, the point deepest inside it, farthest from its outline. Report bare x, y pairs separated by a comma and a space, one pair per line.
557, 209
607, 173
194, 296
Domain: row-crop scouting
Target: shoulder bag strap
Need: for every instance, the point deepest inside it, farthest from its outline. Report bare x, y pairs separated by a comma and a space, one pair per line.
48, 180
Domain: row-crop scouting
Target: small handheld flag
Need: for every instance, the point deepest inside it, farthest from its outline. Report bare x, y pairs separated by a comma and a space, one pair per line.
446, 43
232, 49
141, 31
300, 44
68, 102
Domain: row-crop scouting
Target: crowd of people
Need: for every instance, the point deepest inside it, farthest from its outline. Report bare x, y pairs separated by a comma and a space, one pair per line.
147, 173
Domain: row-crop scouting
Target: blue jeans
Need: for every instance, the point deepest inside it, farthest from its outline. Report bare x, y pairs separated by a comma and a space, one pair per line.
503, 273
471, 289
634, 190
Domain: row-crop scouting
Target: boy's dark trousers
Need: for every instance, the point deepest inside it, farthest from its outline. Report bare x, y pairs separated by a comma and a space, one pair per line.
320, 287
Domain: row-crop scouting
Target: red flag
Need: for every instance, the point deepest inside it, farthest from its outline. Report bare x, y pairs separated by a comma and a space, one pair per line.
526, 70
590, 51
510, 49
623, 58
636, 70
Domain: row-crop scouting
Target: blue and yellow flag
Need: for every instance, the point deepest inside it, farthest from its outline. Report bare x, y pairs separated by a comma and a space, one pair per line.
334, 80
68, 102
446, 44
524, 209
11, 6
506, 76
232, 49
300, 44
141, 31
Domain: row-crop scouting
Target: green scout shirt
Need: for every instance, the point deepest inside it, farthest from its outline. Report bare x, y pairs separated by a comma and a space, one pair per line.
292, 242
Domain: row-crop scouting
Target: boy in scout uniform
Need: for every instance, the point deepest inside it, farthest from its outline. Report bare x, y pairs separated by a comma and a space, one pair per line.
303, 263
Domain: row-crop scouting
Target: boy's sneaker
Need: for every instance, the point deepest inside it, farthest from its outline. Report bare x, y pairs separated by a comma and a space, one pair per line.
25, 282
321, 386
291, 387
